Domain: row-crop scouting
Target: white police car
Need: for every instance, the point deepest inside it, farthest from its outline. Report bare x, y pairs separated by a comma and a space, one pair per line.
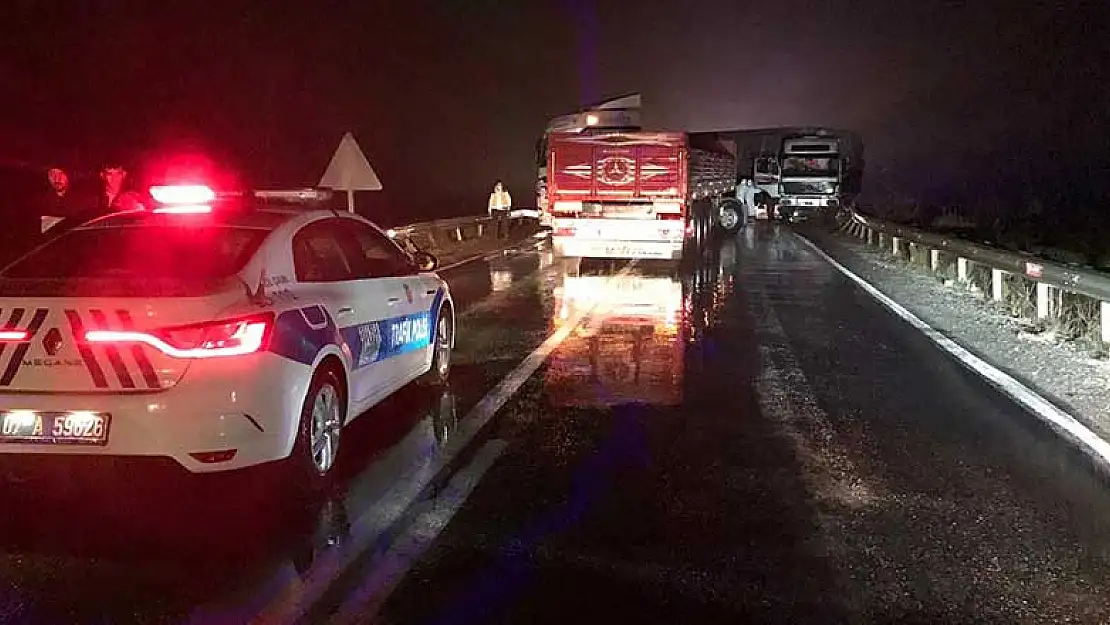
221, 331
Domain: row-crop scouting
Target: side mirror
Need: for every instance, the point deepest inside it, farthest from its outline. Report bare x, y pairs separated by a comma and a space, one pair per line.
425, 261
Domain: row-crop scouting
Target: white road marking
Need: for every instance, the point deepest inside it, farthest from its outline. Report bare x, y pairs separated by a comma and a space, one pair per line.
298, 594
1063, 423
414, 540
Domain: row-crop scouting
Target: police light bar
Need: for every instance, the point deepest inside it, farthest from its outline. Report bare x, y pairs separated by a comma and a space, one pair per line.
198, 198
183, 194
184, 209
294, 196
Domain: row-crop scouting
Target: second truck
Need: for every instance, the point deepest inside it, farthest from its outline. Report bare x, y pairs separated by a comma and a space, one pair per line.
799, 170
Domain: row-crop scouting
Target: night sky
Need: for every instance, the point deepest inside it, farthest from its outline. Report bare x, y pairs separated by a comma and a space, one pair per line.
956, 101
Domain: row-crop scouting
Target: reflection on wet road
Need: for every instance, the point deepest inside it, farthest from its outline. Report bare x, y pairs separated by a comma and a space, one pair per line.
758, 441
752, 439
627, 348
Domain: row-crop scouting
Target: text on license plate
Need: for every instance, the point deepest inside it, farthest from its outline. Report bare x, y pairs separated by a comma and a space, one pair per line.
54, 428
633, 251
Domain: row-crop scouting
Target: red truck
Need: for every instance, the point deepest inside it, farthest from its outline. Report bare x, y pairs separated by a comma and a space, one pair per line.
635, 194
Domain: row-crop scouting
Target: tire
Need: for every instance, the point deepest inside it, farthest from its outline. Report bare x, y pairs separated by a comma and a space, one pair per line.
442, 341
731, 216
323, 414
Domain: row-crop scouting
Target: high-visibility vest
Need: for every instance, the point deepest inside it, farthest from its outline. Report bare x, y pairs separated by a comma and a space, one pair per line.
500, 201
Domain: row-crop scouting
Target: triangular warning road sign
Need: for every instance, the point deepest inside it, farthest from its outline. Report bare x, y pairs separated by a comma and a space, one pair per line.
349, 170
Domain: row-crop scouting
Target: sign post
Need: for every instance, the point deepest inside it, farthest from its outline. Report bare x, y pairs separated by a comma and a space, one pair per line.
350, 171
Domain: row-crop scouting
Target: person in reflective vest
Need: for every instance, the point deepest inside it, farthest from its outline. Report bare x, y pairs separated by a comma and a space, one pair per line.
500, 205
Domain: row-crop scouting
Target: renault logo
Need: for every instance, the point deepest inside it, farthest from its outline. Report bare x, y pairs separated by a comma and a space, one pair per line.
52, 342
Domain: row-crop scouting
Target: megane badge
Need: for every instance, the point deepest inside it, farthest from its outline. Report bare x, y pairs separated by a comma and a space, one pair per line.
52, 342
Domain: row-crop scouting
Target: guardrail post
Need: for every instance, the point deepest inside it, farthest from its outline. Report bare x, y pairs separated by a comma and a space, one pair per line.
896, 246
1044, 300
998, 284
961, 269
1104, 318
934, 260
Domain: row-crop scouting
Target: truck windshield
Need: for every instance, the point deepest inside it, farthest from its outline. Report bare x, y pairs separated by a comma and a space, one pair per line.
799, 166
767, 165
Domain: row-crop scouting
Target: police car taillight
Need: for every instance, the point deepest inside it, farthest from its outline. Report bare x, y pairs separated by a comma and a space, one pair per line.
230, 337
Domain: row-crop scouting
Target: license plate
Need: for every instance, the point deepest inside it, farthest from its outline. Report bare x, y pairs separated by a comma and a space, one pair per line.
634, 212
54, 428
625, 250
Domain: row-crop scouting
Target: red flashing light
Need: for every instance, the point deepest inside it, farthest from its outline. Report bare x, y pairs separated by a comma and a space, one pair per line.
192, 195
13, 336
231, 337
185, 209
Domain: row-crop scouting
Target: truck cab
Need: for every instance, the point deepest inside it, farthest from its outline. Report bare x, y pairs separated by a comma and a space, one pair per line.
810, 176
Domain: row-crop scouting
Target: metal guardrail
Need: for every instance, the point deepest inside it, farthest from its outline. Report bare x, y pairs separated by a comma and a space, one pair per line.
443, 234
1049, 277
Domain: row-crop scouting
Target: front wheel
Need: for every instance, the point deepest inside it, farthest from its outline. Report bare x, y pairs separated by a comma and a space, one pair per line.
731, 216
441, 351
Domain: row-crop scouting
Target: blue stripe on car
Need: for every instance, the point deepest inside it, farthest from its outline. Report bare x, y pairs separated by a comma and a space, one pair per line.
296, 339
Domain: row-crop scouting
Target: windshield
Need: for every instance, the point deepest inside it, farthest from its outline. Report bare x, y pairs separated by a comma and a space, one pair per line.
145, 252
767, 165
810, 166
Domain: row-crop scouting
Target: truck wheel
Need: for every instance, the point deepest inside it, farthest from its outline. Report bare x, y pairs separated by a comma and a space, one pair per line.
731, 216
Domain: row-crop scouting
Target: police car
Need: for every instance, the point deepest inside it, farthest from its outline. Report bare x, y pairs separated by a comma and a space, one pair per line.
218, 330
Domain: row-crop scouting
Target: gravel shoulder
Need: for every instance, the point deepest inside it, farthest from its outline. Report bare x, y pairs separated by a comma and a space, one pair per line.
1064, 372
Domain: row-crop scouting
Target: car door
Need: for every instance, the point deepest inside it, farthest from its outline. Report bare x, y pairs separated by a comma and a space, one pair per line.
406, 333
326, 271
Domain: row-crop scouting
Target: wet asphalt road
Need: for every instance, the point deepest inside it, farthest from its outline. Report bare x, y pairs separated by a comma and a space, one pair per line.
753, 441
790, 453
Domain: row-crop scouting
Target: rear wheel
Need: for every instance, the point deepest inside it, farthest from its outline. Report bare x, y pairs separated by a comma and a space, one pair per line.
317, 445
